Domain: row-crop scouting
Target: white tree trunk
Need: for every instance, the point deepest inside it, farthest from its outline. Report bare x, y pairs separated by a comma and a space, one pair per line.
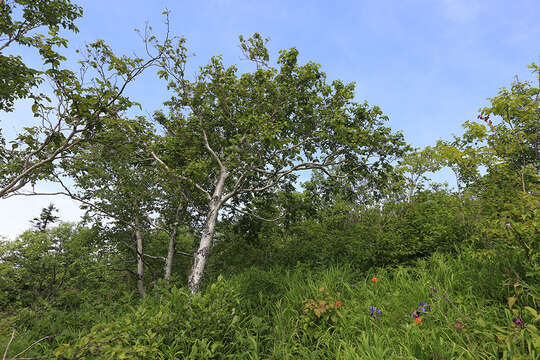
202, 254
140, 265
207, 235
171, 250
410, 193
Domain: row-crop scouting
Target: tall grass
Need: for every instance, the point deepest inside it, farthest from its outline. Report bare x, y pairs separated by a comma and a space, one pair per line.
464, 294
460, 300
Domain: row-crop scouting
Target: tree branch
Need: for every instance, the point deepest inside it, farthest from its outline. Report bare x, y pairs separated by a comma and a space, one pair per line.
234, 208
29, 347
9, 344
180, 176
13, 186
184, 253
143, 254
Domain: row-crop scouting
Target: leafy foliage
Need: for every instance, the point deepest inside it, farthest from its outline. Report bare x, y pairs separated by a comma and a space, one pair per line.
174, 324
368, 261
60, 266
16, 78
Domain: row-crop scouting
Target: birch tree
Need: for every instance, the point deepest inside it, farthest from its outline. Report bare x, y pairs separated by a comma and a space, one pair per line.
114, 181
415, 165
231, 137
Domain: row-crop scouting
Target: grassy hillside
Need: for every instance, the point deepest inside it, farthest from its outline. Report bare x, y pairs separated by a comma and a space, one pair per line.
442, 307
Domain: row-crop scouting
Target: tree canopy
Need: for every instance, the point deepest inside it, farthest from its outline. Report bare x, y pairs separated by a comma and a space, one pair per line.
232, 136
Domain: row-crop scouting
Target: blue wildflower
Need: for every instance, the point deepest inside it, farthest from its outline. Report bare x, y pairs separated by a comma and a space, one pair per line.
424, 307
374, 312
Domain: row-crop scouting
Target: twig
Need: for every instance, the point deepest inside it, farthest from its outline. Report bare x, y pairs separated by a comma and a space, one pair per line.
184, 253
29, 347
234, 208
9, 344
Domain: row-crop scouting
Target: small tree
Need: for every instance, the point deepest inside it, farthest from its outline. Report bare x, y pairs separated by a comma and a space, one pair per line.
415, 165
515, 139
114, 180
45, 218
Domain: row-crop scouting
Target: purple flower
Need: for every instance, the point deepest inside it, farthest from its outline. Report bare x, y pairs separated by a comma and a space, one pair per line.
507, 224
518, 322
374, 312
415, 314
424, 307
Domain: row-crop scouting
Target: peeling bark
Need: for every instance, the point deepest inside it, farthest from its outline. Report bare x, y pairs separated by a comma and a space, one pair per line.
207, 235
202, 254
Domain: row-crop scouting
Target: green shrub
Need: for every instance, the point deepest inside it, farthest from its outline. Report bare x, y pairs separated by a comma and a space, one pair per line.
173, 324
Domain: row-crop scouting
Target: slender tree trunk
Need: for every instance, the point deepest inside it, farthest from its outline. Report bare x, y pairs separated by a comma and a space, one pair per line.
140, 265
207, 235
170, 254
522, 173
461, 200
172, 245
410, 194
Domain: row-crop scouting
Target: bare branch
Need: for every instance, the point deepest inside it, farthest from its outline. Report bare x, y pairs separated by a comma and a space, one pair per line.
234, 208
184, 253
143, 254
9, 344
153, 223
20, 180
30, 346
274, 180
88, 203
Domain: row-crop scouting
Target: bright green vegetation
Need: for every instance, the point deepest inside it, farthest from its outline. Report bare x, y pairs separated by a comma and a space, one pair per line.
259, 314
308, 296
196, 243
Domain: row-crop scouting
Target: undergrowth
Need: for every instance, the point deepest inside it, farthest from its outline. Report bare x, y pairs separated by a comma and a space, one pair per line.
469, 306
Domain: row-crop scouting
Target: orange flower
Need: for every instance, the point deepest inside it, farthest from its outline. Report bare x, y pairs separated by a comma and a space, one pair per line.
374, 279
339, 303
418, 320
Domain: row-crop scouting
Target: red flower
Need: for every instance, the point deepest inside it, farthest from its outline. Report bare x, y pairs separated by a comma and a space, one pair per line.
374, 279
339, 303
418, 320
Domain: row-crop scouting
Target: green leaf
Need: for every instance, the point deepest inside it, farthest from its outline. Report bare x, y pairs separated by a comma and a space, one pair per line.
531, 311
481, 322
511, 301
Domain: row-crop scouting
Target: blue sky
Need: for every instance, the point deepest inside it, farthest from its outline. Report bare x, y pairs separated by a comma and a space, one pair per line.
430, 65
